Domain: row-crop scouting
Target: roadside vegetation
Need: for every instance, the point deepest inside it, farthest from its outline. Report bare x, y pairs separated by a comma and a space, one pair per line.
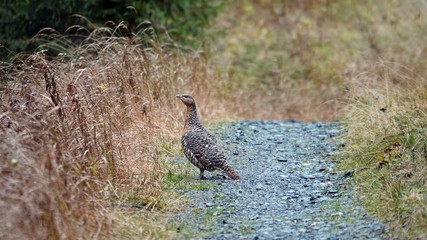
387, 146
84, 134
87, 133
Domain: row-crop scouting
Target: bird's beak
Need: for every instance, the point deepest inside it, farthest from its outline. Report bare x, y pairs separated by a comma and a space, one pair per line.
178, 95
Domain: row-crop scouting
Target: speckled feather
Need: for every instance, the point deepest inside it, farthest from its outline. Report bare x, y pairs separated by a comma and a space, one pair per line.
200, 147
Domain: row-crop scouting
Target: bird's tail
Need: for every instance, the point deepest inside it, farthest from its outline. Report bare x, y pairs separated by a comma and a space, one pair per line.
232, 174
227, 169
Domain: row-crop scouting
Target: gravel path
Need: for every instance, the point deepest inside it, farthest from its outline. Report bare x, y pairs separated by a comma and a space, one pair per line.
289, 188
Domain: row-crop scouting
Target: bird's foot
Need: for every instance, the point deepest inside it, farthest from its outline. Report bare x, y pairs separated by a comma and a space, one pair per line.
219, 177
201, 178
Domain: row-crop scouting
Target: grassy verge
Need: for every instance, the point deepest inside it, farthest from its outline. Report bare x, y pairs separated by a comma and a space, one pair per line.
83, 135
387, 147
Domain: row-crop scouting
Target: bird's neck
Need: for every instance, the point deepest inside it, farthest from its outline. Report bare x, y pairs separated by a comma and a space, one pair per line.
192, 120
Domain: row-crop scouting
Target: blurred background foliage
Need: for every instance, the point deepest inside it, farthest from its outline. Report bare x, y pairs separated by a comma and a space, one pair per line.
181, 21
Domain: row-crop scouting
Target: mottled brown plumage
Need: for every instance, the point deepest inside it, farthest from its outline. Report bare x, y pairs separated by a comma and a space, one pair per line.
200, 147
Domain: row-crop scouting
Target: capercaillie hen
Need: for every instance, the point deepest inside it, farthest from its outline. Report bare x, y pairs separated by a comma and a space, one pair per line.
200, 147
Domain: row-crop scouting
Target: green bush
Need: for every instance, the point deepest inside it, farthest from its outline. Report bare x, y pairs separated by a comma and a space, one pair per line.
182, 20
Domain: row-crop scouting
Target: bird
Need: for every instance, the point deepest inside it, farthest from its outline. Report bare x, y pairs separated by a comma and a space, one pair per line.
201, 147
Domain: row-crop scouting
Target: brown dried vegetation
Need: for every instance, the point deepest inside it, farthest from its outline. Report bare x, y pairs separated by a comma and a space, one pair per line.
81, 134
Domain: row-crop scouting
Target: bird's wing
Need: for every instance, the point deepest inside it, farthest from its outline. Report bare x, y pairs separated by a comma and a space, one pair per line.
215, 155
195, 144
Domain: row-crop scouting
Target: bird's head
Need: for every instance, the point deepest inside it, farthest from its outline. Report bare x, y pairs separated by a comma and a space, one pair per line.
186, 99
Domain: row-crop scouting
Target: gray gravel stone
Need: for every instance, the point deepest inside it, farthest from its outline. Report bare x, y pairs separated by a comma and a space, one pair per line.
288, 188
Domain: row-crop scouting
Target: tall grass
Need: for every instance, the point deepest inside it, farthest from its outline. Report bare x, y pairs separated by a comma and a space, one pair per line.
83, 134
85, 131
386, 114
387, 145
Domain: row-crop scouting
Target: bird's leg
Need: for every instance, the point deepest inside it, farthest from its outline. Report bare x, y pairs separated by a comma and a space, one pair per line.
201, 174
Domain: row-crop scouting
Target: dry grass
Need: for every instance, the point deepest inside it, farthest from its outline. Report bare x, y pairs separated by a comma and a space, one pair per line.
84, 134
386, 116
387, 146
281, 59
291, 59
81, 134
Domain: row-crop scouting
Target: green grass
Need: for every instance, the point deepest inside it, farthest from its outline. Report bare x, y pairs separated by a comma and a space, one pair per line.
387, 149
393, 187
245, 229
183, 176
